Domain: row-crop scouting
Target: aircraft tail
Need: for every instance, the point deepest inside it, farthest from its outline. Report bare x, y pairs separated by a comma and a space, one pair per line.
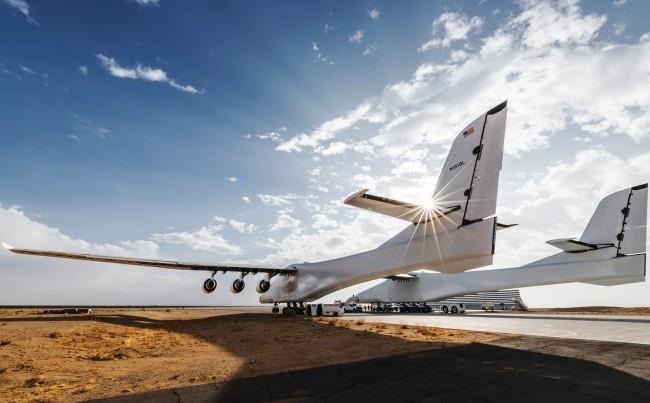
620, 219
470, 176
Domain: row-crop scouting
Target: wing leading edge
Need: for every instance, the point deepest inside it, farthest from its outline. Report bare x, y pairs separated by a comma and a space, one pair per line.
164, 264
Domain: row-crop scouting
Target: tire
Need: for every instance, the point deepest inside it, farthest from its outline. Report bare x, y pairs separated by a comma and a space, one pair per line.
445, 310
308, 310
319, 310
454, 310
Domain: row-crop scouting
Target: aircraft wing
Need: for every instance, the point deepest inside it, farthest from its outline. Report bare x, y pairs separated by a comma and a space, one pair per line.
164, 264
395, 208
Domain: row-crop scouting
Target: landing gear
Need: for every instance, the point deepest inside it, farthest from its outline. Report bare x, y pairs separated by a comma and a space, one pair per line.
292, 308
445, 310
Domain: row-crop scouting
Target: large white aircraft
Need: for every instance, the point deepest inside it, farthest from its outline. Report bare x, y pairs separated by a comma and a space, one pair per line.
611, 251
454, 233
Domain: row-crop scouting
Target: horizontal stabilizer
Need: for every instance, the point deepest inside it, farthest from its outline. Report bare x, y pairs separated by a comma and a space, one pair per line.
501, 226
395, 208
403, 277
572, 245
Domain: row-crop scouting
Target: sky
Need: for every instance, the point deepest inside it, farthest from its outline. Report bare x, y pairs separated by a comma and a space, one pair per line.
232, 131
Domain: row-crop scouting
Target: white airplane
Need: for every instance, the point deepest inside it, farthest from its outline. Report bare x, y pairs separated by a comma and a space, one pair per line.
611, 251
453, 234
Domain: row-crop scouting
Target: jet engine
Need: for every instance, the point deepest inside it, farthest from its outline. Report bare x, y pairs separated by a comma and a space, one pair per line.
209, 285
263, 286
237, 286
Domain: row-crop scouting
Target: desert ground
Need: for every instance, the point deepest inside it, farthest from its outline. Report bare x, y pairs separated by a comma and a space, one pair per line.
136, 354
114, 352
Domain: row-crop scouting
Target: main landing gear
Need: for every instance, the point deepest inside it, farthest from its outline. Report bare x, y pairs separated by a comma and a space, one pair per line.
292, 308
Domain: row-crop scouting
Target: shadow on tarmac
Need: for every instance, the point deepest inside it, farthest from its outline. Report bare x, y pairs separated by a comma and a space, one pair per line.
442, 372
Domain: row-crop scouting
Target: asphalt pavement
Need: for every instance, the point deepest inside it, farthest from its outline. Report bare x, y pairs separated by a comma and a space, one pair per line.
615, 328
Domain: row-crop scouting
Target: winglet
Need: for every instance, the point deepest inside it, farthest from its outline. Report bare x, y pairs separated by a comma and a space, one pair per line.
7, 246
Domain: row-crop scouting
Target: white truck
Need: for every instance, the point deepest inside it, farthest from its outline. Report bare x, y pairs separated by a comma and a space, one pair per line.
324, 310
452, 308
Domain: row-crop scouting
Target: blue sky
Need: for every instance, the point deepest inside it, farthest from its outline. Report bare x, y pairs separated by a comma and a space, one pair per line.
232, 131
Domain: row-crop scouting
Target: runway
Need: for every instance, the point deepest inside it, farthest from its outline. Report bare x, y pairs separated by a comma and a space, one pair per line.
615, 328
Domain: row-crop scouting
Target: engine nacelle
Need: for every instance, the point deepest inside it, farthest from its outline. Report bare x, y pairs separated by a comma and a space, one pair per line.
209, 285
263, 286
237, 286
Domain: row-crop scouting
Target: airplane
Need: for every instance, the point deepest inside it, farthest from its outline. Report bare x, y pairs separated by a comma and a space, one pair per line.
610, 251
454, 233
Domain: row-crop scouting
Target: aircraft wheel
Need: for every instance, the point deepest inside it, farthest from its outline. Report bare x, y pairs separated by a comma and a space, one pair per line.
454, 309
445, 310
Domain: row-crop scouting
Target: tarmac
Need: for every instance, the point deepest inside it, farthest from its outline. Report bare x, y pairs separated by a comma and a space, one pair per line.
615, 328
517, 369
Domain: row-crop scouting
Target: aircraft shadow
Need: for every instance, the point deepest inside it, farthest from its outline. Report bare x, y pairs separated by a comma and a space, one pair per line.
410, 371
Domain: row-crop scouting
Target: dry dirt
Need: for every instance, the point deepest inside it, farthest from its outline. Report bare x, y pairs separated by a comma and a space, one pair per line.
115, 352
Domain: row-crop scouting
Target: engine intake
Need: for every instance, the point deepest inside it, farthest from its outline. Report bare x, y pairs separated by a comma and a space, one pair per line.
209, 285
237, 286
263, 286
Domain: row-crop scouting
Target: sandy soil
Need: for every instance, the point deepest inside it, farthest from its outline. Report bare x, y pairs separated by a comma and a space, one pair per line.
116, 352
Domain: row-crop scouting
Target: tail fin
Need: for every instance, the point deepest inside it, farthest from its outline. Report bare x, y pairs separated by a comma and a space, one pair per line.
620, 219
470, 176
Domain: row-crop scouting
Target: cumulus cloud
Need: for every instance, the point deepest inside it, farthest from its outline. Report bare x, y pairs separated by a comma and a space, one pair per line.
454, 27
356, 37
374, 13
242, 227
285, 221
536, 59
370, 50
206, 238
319, 56
145, 73
83, 70
246, 199
231, 179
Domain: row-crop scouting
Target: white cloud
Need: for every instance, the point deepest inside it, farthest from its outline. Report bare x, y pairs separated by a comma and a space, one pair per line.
327, 29
19, 230
145, 73
246, 199
83, 70
277, 200
272, 135
357, 37
323, 221
374, 13
242, 227
326, 130
26, 69
231, 179
619, 28
619, 3
285, 221
319, 56
148, 2
536, 60
455, 27
371, 49
23, 7
206, 238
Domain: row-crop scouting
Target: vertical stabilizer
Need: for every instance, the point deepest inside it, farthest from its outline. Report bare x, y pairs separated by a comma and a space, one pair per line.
470, 176
620, 219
